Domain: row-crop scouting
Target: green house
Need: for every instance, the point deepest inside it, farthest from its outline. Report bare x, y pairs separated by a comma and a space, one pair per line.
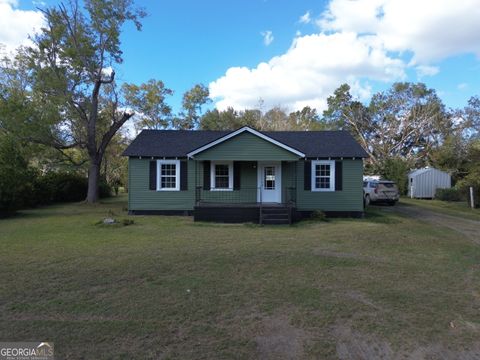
245, 175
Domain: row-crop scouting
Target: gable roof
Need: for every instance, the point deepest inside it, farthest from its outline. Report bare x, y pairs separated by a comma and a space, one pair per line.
238, 132
179, 143
425, 170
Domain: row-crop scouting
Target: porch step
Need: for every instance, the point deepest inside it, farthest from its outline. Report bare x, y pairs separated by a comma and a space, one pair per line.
275, 215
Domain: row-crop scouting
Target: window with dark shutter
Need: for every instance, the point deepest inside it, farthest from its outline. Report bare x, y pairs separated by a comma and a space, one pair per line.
206, 175
338, 175
237, 165
323, 175
153, 175
307, 175
183, 175
169, 175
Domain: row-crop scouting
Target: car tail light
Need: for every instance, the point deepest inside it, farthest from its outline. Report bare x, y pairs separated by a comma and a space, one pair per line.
375, 191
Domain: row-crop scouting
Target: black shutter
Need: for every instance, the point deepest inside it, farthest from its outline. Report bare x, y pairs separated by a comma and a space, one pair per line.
153, 175
236, 175
307, 175
206, 175
338, 175
183, 175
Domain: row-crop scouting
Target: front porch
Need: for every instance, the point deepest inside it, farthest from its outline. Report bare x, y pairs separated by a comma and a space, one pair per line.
259, 191
245, 176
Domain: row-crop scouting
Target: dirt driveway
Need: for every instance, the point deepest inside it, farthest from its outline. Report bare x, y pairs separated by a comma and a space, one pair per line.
467, 227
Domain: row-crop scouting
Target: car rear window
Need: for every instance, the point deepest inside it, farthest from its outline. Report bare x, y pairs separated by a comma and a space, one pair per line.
388, 185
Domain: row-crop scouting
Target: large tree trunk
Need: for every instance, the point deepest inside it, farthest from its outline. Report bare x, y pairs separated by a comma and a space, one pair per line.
93, 181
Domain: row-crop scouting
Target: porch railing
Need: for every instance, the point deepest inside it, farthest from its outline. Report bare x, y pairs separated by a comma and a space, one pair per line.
242, 195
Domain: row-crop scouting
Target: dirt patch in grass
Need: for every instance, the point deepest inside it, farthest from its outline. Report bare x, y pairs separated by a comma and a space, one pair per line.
469, 228
353, 345
279, 339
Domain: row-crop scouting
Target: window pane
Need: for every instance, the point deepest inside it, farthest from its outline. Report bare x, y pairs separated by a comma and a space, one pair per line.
168, 176
322, 176
269, 178
324, 183
168, 169
221, 176
221, 182
221, 170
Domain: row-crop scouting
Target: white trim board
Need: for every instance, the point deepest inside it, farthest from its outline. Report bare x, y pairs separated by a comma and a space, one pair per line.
332, 175
251, 131
177, 175
230, 175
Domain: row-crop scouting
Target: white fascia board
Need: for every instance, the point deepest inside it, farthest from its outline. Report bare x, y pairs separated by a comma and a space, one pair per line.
239, 131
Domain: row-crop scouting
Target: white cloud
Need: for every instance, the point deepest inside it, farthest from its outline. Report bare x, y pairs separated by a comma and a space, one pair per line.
16, 24
309, 72
358, 41
426, 70
267, 37
462, 86
431, 29
305, 18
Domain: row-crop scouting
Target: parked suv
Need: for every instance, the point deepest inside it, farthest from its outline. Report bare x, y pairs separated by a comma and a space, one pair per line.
376, 191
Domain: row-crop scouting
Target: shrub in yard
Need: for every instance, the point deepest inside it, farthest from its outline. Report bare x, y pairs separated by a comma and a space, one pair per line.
318, 216
452, 194
60, 187
127, 222
16, 178
472, 180
105, 190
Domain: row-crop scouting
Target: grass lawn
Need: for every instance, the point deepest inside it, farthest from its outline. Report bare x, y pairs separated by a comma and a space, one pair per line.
166, 287
455, 208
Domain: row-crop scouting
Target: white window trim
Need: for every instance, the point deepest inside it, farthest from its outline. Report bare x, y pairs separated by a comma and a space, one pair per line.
230, 175
177, 175
332, 175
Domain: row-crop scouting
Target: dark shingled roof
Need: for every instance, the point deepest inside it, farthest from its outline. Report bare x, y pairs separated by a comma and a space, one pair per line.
178, 143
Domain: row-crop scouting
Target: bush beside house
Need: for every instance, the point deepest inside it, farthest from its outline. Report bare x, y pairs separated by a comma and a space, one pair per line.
21, 186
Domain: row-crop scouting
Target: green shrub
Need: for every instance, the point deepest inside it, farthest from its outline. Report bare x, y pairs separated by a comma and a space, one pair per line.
318, 216
104, 189
16, 178
452, 194
60, 187
471, 180
127, 222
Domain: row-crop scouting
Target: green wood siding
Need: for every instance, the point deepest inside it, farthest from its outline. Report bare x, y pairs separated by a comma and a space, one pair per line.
246, 147
348, 199
288, 180
141, 198
248, 186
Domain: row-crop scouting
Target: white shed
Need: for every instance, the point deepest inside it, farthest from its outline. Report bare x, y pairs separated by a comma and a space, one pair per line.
423, 183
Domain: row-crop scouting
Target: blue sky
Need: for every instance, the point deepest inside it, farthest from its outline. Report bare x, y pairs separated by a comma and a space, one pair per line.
188, 42
368, 43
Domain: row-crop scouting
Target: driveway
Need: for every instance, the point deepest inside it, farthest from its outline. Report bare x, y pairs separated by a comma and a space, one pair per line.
467, 227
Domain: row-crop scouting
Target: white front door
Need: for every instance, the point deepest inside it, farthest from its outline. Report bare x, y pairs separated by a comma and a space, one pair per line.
270, 182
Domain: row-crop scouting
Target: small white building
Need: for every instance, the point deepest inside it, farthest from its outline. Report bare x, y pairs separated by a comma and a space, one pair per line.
423, 183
